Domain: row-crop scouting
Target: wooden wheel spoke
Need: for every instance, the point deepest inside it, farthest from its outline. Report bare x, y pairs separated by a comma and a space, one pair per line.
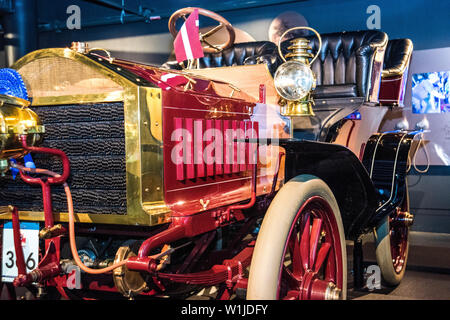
304, 245
290, 277
210, 32
330, 268
321, 255
294, 250
211, 45
314, 240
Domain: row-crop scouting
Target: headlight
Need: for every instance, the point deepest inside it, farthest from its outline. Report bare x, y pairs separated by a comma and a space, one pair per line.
293, 80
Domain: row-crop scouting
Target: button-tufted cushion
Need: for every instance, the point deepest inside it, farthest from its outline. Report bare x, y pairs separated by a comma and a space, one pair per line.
346, 58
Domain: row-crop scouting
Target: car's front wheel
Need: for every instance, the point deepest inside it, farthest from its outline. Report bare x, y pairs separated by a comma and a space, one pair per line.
300, 251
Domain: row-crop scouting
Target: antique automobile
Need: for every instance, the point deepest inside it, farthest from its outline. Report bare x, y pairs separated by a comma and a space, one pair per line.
247, 169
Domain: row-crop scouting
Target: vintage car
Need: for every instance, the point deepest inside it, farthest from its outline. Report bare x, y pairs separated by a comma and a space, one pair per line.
247, 169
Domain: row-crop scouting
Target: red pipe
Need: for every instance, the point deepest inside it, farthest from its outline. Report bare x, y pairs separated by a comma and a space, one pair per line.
47, 202
262, 93
20, 260
49, 266
45, 183
252, 197
60, 179
143, 261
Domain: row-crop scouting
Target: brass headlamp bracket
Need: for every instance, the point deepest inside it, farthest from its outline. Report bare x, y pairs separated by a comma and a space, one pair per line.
300, 50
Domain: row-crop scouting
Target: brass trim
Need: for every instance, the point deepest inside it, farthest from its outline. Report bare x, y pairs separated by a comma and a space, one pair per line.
157, 215
303, 40
80, 98
13, 100
145, 197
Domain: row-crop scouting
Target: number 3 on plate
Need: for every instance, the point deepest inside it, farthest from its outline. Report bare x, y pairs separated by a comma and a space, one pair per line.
29, 233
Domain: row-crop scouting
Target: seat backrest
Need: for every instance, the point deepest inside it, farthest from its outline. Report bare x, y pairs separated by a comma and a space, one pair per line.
397, 57
239, 54
395, 72
349, 58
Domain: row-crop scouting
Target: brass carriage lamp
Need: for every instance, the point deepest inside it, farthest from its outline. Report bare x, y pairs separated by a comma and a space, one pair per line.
294, 79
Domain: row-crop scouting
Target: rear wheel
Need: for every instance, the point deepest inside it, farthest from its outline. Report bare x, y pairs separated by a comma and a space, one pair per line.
392, 243
300, 250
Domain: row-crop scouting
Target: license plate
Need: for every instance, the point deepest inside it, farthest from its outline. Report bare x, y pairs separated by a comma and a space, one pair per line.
29, 236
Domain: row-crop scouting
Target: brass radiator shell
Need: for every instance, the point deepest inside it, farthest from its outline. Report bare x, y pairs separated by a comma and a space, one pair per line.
62, 77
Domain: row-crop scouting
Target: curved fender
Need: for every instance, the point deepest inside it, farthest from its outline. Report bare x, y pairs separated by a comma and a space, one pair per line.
344, 174
386, 160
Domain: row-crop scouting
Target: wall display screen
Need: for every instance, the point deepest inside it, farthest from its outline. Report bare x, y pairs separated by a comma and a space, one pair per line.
431, 92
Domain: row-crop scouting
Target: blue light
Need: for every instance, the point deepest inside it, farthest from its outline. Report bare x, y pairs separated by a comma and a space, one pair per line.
354, 116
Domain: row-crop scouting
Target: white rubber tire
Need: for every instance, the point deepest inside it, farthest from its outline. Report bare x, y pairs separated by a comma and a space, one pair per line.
383, 249
384, 256
274, 231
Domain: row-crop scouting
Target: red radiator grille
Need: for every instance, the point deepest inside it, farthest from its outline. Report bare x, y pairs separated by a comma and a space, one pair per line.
209, 147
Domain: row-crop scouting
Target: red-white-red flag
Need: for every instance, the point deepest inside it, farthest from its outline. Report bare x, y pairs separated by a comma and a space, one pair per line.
187, 42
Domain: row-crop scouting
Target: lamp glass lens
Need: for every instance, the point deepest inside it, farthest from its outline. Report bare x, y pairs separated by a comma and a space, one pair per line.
293, 80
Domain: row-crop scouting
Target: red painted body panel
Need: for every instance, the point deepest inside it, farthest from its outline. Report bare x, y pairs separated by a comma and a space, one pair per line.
186, 192
193, 186
392, 90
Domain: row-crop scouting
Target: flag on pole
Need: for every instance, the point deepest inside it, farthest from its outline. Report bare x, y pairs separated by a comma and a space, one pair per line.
187, 44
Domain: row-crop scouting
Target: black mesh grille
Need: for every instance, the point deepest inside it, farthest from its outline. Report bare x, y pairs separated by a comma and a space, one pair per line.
93, 137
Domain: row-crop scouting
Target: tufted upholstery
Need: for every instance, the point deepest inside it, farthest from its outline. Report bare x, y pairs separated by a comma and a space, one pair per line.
397, 57
239, 54
348, 58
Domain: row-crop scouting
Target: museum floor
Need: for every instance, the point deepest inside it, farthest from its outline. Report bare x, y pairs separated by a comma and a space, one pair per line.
427, 275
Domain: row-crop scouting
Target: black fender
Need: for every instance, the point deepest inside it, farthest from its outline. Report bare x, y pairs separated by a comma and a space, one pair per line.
386, 160
343, 172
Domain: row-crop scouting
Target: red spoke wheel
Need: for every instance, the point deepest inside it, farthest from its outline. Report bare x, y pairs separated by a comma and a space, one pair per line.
392, 243
300, 250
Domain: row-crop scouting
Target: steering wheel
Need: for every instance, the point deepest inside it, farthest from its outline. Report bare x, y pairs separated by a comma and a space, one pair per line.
207, 46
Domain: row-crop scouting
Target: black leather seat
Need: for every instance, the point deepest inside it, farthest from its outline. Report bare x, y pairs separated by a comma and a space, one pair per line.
349, 63
395, 72
348, 71
397, 57
238, 54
